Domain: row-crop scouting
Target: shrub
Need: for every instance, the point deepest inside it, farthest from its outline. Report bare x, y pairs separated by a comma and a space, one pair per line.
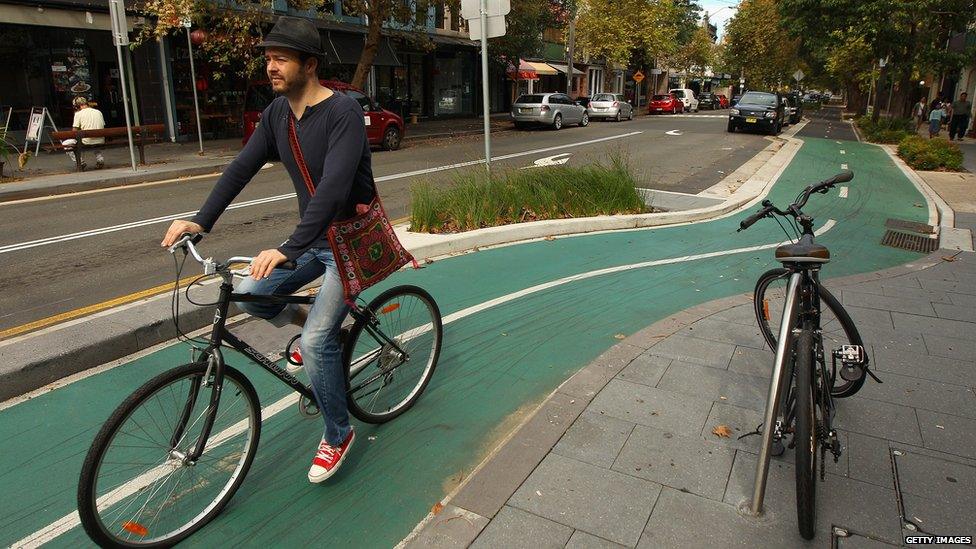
930, 154
476, 200
886, 130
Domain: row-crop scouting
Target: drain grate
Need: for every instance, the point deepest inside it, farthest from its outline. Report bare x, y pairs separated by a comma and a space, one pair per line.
910, 226
909, 241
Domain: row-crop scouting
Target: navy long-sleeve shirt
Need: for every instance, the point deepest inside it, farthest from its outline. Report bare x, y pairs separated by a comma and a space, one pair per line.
332, 136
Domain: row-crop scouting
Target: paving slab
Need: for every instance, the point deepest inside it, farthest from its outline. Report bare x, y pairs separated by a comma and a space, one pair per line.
606, 503
950, 347
696, 350
923, 366
922, 394
516, 528
874, 417
934, 326
753, 362
726, 332
717, 385
886, 303
651, 406
582, 540
948, 433
595, 439
646, 369
453, 527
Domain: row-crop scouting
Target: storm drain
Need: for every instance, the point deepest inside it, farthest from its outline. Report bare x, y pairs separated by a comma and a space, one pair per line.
910, 241
910, 226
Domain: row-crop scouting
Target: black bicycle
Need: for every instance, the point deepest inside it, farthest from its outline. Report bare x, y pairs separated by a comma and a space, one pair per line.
175, 451
806, 326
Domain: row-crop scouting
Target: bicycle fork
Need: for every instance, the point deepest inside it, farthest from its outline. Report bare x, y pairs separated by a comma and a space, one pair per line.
772, 417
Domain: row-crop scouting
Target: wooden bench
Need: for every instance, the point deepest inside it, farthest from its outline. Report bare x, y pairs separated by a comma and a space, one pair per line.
114, 137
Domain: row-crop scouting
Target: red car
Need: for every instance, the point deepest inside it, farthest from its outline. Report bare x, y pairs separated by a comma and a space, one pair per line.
661, 104
723, 102
383, 128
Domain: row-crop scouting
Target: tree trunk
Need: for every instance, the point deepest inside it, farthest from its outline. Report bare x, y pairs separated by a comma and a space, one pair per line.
878, 96
373, 37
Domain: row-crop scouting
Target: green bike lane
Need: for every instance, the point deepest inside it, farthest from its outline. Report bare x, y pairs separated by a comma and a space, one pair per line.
496, 365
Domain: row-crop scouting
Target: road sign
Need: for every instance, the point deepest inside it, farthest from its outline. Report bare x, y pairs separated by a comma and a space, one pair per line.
638, 77
471, 9
495, 25
655, 71
120, 27
798, 75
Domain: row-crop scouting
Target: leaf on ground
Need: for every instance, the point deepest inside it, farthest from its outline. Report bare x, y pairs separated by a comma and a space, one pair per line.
437, 508
949, 258
722, 431
619, 336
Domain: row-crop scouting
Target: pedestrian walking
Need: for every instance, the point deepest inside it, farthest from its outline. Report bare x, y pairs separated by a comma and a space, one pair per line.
86, 118
959, 119
918, 112
319, 136
936, 116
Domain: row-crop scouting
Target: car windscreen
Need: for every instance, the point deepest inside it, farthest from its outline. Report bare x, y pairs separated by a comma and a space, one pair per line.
529, 99
603, 97
764, 99
678, 93
259, 96
660, 98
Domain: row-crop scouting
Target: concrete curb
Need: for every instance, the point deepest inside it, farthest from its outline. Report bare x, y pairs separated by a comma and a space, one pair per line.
32, 360
33, 189
493, 481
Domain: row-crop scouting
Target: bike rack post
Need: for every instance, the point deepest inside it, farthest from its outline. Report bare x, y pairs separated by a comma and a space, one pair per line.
772, 400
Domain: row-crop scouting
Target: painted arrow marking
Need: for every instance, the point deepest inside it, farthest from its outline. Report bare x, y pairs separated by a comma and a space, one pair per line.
673, 132
553, 160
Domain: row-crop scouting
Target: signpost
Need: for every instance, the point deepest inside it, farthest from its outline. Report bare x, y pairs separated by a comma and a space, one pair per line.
492, 24
120, 36
187, 23
798, 76
638, 78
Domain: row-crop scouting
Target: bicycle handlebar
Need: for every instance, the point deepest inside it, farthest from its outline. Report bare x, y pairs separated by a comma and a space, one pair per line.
187, 241
794, 208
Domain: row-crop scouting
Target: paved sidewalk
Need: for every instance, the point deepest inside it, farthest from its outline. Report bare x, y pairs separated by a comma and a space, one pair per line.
53, 173
623, 453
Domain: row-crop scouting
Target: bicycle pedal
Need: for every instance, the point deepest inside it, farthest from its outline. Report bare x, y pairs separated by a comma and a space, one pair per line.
851, 354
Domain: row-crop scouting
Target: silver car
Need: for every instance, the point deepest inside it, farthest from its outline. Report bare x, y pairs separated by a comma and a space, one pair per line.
549, 109
610, 106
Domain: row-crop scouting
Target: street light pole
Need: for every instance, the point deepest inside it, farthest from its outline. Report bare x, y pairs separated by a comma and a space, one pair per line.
193, 84
484, 83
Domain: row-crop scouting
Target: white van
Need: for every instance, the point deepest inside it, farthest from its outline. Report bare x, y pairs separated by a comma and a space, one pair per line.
687, 97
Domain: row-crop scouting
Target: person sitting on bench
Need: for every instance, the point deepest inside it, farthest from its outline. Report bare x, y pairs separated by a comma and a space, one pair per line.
86, 118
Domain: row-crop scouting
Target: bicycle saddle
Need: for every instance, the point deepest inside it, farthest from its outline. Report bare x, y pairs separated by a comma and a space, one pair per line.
804, 251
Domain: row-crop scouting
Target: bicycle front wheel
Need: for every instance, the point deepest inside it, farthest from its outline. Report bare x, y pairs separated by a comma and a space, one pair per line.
137, 487
805, 435
383, 382
837, 327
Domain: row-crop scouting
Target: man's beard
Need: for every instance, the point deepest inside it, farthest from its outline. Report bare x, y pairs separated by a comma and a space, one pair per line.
286, 86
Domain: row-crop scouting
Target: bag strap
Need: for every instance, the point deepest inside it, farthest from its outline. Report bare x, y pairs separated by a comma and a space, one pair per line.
296, 151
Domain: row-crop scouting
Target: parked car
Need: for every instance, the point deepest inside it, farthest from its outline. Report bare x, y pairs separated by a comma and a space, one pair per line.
548, 109
794, 108
708, 101
661, 104
762, 110
383, 128
610, 106
723, 101
687, 97
583, 101
735, 100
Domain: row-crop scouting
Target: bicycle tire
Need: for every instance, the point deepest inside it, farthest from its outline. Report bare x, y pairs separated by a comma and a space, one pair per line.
805, 435
88, 497
768, 325
384, 366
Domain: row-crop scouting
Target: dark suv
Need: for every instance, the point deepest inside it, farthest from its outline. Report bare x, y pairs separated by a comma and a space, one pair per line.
708, 101
762, 110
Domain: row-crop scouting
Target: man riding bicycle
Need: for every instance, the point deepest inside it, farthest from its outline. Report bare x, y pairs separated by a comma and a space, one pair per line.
330, 132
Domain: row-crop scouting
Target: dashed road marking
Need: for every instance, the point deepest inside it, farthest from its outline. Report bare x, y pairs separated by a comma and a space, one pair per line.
842, 151
843, 166
843, 192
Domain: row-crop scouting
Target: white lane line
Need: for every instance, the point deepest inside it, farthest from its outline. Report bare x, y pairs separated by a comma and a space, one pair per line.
843, 192
166, 218
843, 166
674, 132
72, 520
842, 151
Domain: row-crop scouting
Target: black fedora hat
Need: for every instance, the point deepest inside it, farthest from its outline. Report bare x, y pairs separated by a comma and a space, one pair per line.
295, 33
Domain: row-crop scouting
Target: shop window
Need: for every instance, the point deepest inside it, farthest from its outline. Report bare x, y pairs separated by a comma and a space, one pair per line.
439, 18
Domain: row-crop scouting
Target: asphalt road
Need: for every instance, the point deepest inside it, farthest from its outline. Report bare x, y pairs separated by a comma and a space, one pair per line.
683, 153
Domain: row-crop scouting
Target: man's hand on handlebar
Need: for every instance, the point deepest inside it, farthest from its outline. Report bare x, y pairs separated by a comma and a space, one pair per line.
265, 262
176, 230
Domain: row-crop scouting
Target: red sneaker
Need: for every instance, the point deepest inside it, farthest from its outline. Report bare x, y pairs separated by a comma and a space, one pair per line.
294, 363
328, 459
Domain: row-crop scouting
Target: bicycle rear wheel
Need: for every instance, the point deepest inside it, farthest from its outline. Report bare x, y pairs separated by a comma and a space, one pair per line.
136, 487
382, 384
805, 435
837, 327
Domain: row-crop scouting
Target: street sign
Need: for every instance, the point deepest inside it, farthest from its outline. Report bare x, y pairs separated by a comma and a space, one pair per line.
120, 27
798, 75
495, 25
655, 71
471, 9
638, 77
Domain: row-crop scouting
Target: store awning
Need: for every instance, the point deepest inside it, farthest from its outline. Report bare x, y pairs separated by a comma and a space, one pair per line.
346, 48
542, 69
525, 71
562, 68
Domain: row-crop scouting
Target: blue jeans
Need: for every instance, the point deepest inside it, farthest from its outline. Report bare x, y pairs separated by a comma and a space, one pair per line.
321, 353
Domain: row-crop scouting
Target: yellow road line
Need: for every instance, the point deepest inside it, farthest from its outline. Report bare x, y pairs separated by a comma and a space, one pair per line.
400, 220
90, 309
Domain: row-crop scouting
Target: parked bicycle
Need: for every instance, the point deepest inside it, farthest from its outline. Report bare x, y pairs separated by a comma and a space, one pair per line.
807, 327
172, 455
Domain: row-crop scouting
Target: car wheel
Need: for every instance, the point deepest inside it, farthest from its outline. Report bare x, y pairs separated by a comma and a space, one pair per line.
585, 121
631, 115
731, 127
391, 138
617, 118
520, 125
557, 122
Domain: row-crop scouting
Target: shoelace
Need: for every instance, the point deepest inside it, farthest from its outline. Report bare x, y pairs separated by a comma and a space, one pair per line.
326, 452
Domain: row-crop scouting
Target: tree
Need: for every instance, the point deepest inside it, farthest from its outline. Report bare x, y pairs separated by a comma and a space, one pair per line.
758, 47
650, 26
524, 27
698, 54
